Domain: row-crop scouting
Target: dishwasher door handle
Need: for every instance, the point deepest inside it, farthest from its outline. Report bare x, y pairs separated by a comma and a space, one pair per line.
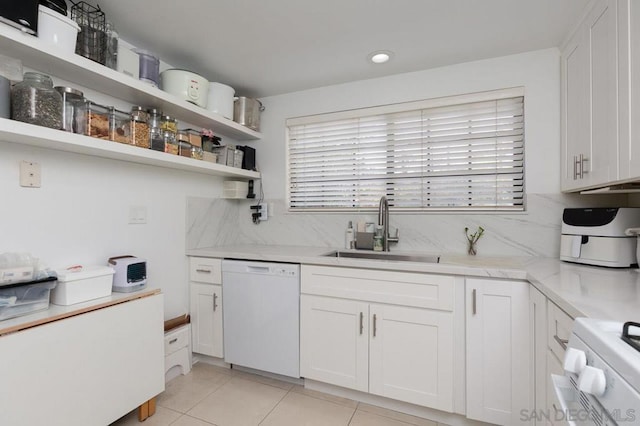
258, 269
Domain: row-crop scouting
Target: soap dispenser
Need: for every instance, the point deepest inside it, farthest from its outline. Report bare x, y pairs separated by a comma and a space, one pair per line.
349, 240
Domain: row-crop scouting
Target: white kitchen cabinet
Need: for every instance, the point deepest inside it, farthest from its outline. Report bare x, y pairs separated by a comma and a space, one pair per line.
538, 334
590, 101
334, 341
349, 337
206, 306
206, 319
498, 350
411, 355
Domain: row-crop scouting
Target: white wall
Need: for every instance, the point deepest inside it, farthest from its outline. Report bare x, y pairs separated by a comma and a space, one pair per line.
535, 232
80, 214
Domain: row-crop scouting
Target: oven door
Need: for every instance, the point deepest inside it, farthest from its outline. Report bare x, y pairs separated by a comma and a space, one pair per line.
575, 408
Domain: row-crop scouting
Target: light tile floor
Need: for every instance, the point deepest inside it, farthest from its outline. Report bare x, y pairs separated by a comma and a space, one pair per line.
218, 396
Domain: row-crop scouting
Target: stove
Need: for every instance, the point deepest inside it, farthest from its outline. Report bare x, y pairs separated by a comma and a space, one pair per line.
601, 385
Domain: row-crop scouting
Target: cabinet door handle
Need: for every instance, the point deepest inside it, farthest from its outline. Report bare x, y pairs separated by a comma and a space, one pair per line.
203, 271
583, 160
374, 325
474, 306
575, 167
361, 322
172, 341
215, 301
561, 342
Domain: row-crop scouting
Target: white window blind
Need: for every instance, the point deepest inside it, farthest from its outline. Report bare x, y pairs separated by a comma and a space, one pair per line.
458, 153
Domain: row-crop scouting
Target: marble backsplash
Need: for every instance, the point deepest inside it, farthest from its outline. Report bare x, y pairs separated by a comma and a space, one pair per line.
217, 222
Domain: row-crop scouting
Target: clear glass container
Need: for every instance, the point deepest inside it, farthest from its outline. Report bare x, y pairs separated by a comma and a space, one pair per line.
197, 152
140, 127
73, 111
112, 47
97, 120
119, 126
184, 149
156, 138
35, 101
169, 124
170, 143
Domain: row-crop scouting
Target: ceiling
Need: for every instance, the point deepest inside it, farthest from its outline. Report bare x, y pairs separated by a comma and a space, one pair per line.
264, 48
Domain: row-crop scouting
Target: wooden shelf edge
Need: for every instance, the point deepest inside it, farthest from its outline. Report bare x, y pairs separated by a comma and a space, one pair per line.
42, 137
80, 70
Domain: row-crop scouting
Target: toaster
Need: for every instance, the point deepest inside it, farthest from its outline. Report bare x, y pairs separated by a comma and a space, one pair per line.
130, 273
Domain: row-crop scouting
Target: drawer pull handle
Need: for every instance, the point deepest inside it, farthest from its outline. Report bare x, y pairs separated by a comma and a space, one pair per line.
474, 306
215, 302
172, 341
374, 325
203, 271
361, 322
561, 342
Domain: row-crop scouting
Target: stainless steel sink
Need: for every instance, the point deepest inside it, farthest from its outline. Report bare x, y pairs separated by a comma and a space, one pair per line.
384, 256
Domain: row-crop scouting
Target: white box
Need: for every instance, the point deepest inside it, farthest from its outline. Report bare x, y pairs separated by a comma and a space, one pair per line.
235, 189
91, 282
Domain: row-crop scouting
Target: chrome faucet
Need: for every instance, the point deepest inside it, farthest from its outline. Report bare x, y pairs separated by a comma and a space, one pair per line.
383, 220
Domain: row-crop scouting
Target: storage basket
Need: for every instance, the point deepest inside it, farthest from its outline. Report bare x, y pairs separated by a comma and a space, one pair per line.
92, 39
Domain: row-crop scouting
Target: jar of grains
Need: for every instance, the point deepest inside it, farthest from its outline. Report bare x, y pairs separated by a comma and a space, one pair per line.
119, 126
170, 143
35, 101
139, 127
196, 152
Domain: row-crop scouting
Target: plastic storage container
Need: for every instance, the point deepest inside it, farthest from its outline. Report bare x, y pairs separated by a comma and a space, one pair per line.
97, 120
23, 299
74, 112
57, 30
119, 126
91, 282
35, 101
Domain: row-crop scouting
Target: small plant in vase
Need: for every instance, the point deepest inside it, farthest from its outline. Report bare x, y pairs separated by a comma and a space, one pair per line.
473, 239
208, 139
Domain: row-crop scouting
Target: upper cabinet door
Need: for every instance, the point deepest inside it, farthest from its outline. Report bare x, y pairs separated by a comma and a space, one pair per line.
590, 101
629, 88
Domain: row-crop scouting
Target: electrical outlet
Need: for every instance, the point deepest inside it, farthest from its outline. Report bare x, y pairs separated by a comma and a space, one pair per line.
263, 211
30, 174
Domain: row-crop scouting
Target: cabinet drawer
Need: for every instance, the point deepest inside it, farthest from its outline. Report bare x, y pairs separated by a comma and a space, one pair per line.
399, 288
559, 329
176, 339
205, 270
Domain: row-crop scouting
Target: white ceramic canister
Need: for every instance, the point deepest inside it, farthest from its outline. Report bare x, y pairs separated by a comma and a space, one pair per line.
57, 30
220, 99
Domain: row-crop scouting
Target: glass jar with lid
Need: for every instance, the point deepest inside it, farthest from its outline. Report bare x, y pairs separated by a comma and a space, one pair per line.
171, 145
196, 152
169, 124
140, 127
97, 119
73, 110
119, 126
35, 101
156, 137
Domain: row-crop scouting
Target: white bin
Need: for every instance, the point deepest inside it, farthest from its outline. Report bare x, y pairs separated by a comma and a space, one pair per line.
57, 30
92, 282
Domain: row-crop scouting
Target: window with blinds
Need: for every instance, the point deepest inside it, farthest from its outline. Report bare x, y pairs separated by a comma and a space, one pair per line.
457, 153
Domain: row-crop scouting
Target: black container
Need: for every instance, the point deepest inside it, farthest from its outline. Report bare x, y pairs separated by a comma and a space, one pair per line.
21, 14
59, 6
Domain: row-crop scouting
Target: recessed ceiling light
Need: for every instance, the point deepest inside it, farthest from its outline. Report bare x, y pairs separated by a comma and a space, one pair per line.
380, 56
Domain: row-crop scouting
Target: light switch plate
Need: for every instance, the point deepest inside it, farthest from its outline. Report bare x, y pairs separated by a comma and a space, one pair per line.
30, 174
137, 215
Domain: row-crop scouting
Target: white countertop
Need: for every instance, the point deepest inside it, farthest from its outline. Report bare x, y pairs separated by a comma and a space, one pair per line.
579, 290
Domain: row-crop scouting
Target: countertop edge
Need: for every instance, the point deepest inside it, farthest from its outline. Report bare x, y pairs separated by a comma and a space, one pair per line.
59, 312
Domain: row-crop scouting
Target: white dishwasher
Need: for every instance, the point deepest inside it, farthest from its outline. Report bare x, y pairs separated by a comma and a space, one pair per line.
261, 315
